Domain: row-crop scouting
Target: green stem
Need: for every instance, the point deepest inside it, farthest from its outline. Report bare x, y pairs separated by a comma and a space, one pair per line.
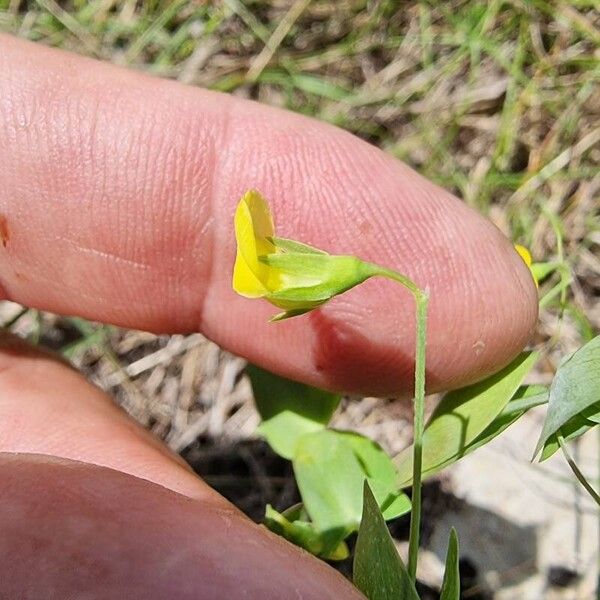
580, 476
409, 284
419, 426
421, 300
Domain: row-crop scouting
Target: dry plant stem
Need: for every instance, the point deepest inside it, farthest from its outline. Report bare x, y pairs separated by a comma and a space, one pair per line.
580, 476
421, 300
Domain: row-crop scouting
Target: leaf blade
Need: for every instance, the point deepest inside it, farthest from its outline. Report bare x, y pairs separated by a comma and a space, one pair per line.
330, 479
381, 474
289, 409
451, 583
378, 570
462, 416
575, 387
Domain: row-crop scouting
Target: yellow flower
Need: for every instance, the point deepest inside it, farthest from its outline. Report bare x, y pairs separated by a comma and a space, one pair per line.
526, 256
253, 232
289, 274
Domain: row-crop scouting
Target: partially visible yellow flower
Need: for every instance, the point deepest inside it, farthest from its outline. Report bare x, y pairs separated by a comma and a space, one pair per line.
526, 256
253, 232
289, 274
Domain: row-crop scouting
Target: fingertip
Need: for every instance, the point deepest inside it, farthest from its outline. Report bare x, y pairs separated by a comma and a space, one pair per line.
482, 307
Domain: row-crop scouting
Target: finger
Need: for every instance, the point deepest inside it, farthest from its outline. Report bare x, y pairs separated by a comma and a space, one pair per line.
46, 407
71, 530
136, 540
117, 202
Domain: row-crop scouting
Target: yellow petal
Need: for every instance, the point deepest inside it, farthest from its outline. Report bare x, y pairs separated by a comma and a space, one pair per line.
524, 254
253, 224
262, 220
245, 282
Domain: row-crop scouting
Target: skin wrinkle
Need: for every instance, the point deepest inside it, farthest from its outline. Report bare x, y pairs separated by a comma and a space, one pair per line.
372, 213
204, 191
162, 225
155, 227
466, 288
120, 260
332, 165
460, 286
158, 225
337, 163
219, 161
471, 290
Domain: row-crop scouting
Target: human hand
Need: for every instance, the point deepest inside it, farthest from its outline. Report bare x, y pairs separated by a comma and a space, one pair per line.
116, 199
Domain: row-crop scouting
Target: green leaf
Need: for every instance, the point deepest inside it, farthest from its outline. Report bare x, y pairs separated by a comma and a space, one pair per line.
330, 468
379, 572
593, 413
288, 314
319, 86
576, 387
330, 478
381, 474
462, 416
572, 429
305, 82
526, 397
451, 584
304, 534
289, 409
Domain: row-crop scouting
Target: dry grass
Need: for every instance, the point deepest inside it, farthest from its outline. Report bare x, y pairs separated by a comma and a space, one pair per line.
497, 101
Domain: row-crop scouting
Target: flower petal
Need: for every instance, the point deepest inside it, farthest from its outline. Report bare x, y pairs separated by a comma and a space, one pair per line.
253, 225
245, 281
261, 219
524, 254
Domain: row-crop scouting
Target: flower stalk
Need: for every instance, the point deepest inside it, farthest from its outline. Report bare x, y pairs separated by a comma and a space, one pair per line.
298, 278
421, 301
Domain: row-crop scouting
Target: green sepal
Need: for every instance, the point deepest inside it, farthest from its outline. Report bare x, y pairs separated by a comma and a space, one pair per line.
288, 314
295, 247
314, 278
541, 270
